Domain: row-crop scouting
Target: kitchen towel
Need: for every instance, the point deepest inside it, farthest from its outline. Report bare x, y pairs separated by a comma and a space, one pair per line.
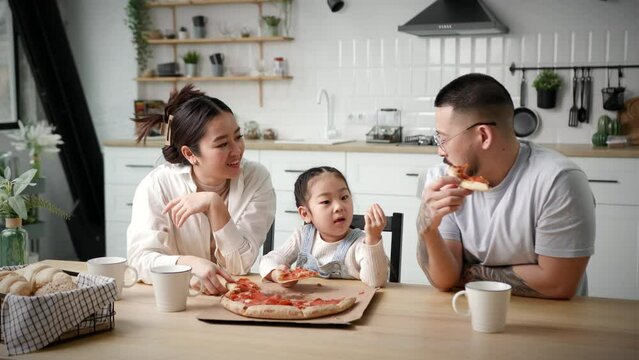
30, 323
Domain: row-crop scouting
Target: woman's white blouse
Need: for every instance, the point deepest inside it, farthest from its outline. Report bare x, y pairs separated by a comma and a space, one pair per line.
153, 239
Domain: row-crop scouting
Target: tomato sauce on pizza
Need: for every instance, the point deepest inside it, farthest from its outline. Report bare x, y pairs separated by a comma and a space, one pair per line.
247, 299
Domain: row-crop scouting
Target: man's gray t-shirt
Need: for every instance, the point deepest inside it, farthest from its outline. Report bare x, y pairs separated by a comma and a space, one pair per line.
544, 206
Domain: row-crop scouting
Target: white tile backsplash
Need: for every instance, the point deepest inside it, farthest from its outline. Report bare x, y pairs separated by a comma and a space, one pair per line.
481, 50
361, 59
434, 51
450, 51
465, 50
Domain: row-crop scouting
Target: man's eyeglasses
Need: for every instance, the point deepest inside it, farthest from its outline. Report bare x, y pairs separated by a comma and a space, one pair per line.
441, 142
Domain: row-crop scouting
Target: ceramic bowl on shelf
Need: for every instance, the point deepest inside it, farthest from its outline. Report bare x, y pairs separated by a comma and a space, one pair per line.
239, 71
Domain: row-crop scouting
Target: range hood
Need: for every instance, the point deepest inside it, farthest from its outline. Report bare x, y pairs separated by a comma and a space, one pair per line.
454, 17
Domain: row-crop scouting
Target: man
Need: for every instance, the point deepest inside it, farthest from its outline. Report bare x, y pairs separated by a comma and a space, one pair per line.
534, 229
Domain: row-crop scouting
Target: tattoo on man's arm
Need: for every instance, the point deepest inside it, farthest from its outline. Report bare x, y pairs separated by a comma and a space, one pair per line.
504, 274
423, 221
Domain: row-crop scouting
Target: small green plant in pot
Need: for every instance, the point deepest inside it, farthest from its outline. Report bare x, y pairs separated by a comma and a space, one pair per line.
191, 59
14, 207
272, 23
547, 83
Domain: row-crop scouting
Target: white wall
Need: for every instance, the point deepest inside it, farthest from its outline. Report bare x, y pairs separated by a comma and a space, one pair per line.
361, 59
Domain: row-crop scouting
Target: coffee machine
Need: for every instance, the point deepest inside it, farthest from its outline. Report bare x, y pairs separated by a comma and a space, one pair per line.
388, 127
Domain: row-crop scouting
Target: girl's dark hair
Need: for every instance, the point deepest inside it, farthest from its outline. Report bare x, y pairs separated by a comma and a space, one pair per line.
191, 110
301, 184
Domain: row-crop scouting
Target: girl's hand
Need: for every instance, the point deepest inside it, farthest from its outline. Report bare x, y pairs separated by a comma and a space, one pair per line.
210, 274
274, 272
375, 222
184, 206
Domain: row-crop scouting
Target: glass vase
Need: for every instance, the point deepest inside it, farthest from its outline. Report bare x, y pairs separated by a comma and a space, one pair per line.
13, 243
35, 164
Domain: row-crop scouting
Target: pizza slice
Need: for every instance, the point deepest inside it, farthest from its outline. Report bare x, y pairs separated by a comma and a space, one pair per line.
289, 275
475, 183
245, 298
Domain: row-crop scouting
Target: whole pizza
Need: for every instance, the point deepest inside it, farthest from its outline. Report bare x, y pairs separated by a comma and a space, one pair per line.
245, 298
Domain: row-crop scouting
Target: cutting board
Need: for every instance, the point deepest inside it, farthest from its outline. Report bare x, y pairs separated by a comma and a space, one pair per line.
629, 119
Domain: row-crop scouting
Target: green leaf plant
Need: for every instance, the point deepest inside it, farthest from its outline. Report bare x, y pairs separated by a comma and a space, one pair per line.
14, 204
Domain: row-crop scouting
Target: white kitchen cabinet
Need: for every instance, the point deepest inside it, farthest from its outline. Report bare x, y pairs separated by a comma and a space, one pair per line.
124, 168
286, 166
613, 271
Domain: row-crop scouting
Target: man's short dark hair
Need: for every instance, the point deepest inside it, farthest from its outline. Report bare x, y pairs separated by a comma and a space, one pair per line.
474, 91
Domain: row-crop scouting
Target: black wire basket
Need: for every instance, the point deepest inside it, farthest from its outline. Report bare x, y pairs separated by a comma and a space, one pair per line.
102, 320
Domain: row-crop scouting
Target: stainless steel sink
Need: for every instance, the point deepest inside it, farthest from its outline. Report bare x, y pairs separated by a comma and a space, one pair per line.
314, 141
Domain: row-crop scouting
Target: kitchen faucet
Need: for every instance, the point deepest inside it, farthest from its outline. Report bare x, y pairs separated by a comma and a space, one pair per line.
329, 128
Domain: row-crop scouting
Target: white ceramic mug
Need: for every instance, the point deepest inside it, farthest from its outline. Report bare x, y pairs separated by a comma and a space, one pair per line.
171, 286
113, 267
488, 305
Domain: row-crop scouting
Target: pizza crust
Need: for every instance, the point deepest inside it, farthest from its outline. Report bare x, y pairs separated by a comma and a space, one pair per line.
457, 172
286, 312
279, 276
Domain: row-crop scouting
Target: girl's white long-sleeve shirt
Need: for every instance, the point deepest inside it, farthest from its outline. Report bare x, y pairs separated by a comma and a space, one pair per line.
368, 263
153, 239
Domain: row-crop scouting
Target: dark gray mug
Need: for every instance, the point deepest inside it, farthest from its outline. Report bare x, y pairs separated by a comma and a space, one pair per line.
199, 20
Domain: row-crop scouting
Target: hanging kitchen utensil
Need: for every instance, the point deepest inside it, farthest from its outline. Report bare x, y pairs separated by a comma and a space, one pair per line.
588, 95
581, 113
572, 115
613, 96
525, 121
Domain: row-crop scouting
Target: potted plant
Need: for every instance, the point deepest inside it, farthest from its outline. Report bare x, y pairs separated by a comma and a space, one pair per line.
191, 58
547, 83
272, 24
139, 22
14, 207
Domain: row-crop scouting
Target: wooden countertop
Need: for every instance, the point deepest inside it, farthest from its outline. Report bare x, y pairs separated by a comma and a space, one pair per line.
402, 322
572, 150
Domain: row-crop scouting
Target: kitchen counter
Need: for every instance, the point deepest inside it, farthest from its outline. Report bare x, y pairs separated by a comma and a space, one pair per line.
571, 150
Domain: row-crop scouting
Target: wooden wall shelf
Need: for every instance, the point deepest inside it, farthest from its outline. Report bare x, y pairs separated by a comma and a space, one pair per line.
212, 78
166, 3
220, 40
172, 5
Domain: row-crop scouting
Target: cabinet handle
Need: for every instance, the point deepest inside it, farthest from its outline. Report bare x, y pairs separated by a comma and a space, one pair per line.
129, 204
412, 174
293, 171
603, 181
139, 166
290, 211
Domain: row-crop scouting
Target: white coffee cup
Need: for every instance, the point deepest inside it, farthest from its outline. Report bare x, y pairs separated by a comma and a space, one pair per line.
113, 267
488, 305
171, 286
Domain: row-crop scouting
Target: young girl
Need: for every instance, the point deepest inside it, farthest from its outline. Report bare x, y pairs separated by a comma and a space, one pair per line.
326, 243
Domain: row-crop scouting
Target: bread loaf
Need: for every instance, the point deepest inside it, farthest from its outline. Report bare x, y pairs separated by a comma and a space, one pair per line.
43, 279
12, 283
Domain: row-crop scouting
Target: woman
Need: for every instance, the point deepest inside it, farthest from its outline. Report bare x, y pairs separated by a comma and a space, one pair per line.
207, 208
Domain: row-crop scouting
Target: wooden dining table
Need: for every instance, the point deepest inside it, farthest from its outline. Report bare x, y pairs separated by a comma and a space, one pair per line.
401, 322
